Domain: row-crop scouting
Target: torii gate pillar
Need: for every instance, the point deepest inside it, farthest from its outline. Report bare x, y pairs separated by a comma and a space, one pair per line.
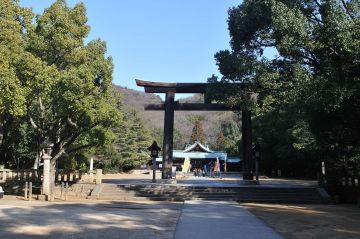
168, 135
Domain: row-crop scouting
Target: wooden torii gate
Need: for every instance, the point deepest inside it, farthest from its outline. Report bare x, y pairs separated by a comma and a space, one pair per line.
170, 106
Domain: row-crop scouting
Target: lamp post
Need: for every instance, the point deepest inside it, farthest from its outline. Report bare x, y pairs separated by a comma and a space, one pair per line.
47, 148
256, 152
154, 151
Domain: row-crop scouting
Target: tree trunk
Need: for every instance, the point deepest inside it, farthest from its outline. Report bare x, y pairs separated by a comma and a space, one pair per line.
37, 160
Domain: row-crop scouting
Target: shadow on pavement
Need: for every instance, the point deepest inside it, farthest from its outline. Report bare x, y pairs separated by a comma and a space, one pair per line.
88, 220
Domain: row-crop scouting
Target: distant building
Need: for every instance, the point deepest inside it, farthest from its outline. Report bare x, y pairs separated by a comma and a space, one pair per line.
200, 155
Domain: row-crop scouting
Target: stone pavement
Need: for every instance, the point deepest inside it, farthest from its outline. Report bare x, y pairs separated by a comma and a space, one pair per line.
215, 220
87, 219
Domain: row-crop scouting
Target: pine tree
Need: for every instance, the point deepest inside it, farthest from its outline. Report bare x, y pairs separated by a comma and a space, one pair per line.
198, 133
130, 146
220, 142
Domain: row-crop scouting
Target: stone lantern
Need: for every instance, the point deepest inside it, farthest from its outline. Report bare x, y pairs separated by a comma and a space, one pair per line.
154, 152
256, 152
47, 149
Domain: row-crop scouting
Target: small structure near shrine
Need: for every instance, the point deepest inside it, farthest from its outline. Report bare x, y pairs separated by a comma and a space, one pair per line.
199, 155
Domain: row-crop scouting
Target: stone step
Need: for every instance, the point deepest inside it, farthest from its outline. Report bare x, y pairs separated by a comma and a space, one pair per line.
210, 190
206, 189
209, 195
290, 194
259, 200
213, 193
176, 193
167, 187
307, 197
180, 199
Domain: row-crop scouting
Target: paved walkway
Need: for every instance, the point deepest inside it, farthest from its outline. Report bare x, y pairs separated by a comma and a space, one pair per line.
215, 220
87, 220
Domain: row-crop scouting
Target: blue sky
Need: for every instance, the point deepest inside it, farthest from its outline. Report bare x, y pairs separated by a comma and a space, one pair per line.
157, 40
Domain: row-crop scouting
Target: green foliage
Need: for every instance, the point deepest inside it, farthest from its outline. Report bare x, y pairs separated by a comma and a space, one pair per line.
313, 82
18, 143
53, 81
129, 148
13, 22
228, 139
198, 132
179, 140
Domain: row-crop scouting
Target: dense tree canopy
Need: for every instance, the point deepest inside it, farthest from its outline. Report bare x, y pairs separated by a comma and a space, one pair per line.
129, 149
228, 139
53, 84
312, 81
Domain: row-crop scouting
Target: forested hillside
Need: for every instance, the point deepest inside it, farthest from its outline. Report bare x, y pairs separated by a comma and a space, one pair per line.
154, 120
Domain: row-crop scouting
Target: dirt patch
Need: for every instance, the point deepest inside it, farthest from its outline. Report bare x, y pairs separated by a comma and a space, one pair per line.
310, 221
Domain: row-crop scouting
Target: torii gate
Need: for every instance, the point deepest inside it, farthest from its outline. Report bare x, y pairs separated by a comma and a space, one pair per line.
170, 106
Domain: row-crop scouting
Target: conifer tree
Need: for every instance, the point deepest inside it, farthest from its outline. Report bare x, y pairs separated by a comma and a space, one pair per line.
129, 148
198, 133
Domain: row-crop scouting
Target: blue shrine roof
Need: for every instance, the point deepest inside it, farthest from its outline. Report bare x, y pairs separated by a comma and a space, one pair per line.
200, 151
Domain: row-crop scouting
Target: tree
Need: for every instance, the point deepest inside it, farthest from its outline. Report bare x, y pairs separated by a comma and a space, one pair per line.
220, 143
129, 148
13, 22
59, 84
316, 71
198, 133
16, 141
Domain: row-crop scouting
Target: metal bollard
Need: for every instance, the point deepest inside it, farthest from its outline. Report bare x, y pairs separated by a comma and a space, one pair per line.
26, 191
30, 191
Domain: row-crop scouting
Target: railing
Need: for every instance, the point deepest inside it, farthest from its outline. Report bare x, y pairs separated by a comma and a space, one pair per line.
62, 175
32, 175
344, 188
350, 181
347, 181
20, 175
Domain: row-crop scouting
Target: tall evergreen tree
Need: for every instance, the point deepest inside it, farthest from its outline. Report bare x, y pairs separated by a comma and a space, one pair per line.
129, 148
198, 133
314, 78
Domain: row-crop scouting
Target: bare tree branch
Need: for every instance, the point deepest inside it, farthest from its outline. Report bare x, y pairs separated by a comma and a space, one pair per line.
347, 9
317, 3
33, 124
71, 122
57, 156
42, 108
75, 136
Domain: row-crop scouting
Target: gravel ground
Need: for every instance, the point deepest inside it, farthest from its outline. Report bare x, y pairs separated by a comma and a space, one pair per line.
310, 221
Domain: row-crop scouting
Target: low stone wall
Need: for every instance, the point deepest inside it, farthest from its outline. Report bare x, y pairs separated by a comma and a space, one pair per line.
76, 191
31, 175
80, 183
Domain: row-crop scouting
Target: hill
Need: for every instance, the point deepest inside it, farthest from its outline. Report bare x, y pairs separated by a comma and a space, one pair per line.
155, 119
